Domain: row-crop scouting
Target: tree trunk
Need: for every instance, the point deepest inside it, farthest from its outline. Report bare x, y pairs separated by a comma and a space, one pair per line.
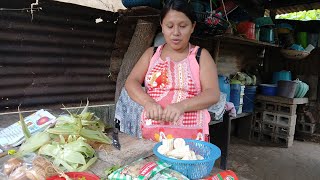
124, 34
141, 40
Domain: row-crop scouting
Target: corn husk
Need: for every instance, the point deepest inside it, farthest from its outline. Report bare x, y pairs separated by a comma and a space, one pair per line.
70, 156
85, 125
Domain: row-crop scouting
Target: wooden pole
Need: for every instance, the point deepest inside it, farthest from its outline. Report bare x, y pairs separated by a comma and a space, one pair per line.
141, 40
216, 49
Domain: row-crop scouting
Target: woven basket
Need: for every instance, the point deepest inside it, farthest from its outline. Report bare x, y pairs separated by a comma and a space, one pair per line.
193, 169
294, 54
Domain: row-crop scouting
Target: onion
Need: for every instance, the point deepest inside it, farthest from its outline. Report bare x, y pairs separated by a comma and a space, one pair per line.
11, 165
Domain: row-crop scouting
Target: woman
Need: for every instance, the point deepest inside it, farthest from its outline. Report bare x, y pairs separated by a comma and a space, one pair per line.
178, 88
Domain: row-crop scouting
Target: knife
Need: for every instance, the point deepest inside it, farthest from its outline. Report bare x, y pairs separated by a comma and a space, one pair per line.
115, 135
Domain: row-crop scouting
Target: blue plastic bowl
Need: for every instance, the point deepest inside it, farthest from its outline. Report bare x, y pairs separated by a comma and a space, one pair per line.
193, 169
268, 89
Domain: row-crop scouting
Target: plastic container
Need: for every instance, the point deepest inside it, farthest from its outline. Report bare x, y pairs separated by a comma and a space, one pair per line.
301, 89
247, 29
313, 39
134, 3
286, 88
302, 38
266, 35
296, 47
286, 40
264, 21
257, 31
235, 92
283, 31
76, 175
242, 89
268, 89
285, 25
281, 75
294, 54
224, 85
248, 99
193, 169
284, 28
240, 109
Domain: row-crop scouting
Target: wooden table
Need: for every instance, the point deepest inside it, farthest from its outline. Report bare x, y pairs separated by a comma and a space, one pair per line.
132, 149
220, 133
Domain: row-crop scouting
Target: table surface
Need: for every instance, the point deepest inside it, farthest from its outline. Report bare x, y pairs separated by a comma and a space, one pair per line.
231, 118
131, 150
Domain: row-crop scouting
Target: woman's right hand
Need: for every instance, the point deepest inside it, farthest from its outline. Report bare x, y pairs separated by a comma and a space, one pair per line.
153, 110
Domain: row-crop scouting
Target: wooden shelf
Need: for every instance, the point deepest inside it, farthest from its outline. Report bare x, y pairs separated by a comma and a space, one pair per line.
241, 40
278, 99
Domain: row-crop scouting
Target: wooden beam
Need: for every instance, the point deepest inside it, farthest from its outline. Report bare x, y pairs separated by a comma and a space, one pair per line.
285, 3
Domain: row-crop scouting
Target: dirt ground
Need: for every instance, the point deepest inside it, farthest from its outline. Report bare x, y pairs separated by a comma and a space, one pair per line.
257, 162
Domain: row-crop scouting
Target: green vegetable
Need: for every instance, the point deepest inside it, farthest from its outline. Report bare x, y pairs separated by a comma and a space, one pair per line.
111, 169
65, 144
33, 143
72, 156
85, 125
25, 129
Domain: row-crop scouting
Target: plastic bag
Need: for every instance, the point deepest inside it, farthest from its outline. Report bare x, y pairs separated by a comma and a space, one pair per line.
15, 169
224, 175
141, 169
169, 174
30, 167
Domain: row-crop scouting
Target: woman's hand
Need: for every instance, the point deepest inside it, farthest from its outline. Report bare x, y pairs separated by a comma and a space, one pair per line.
172, 112
153, 110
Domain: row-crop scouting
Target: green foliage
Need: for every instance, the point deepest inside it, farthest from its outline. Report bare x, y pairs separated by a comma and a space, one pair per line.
301, 15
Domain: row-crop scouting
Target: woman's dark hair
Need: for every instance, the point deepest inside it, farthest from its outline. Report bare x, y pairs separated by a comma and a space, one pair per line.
178, 5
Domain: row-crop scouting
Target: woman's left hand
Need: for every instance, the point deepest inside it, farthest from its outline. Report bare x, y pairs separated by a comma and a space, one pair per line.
172, 112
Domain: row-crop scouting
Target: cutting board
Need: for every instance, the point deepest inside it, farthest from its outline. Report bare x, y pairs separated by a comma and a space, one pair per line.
132, 149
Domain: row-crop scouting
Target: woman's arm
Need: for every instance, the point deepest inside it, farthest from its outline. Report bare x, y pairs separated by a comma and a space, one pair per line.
209, 95
135, 91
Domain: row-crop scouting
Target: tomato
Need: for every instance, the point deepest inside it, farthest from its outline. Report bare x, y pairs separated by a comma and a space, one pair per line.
42, 120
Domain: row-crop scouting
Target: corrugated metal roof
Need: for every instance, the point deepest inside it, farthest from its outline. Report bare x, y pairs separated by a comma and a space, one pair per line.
298, 8
107, 5
61, 56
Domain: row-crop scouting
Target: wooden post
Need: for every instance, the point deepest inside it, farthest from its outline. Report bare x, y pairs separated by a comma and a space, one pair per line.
142, 39
126, 26
216, 47
124, 34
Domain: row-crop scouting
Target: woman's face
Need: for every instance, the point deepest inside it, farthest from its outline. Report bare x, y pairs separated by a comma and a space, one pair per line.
177, 29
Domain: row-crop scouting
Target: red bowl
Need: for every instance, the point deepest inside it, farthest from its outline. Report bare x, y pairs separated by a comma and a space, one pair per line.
75, 176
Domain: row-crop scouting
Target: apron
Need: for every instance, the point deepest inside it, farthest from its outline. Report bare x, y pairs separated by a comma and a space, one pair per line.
169, 82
